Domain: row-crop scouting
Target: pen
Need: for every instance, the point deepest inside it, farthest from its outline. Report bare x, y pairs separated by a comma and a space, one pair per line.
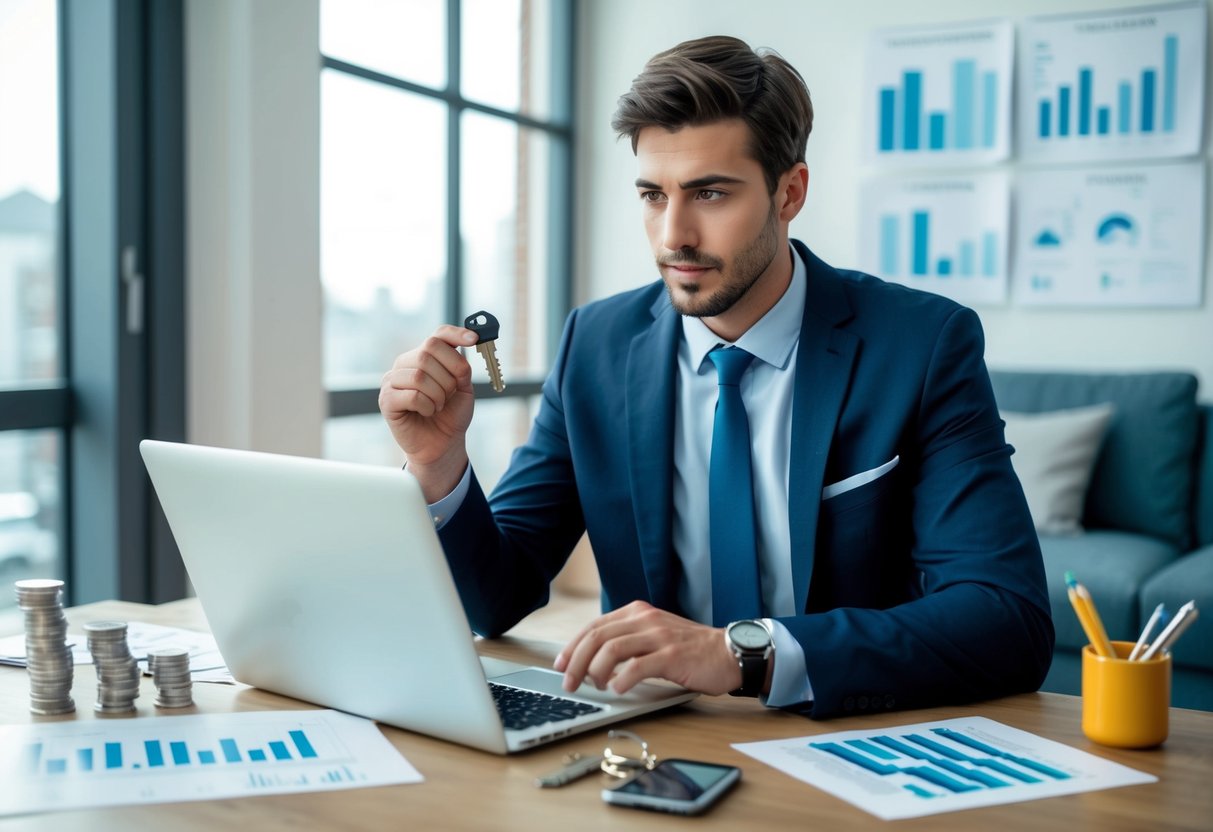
1182, 620
1088, 617
1158, 618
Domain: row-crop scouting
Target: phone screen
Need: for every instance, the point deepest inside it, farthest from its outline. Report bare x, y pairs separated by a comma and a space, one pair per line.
676, 780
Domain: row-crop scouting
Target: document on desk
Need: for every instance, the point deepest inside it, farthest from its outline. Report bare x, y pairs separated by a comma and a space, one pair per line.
933, 767
164, 759
206, 665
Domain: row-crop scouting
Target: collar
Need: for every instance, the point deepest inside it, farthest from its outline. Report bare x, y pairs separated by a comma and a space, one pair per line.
772, 339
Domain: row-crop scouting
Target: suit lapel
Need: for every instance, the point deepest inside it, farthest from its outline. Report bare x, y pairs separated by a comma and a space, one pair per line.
824, 360
649, 410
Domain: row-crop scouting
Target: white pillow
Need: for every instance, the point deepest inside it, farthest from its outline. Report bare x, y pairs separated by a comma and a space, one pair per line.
1054, 455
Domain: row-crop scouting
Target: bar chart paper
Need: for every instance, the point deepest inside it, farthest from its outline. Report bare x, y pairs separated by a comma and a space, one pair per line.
933, 767
1127, 236
939, 95
943, 234
86, 763
1102, 87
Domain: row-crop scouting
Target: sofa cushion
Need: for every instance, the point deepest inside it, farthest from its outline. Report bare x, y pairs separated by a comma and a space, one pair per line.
1113, 566
1204, 479
1143, 477
1054, 456
1190, 578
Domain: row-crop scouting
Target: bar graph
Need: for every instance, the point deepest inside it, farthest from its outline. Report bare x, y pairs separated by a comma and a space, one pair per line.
163, 759
1112, 85
931, 767
939, 95
943, 234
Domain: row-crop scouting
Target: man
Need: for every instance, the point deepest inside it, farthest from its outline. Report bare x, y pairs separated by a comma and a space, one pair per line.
869, 537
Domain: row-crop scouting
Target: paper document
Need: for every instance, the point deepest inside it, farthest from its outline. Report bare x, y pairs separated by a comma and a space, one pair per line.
86, 763
933, 767
206, 665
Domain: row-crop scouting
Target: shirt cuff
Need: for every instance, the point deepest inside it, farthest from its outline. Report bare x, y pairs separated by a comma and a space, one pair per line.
441, 511
790, 680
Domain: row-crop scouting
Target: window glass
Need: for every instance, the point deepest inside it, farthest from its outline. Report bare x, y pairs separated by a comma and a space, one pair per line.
383, 225
30, 509
505, 54
404, 38
505, 196
29, 192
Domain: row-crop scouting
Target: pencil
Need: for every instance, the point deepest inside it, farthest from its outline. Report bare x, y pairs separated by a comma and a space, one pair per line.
1088, 617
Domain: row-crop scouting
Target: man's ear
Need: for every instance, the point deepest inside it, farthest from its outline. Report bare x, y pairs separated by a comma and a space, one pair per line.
792, 191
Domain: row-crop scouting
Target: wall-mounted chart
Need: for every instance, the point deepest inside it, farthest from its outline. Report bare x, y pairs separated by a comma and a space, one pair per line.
1123, 236
939, 95
944, 234
1113, 85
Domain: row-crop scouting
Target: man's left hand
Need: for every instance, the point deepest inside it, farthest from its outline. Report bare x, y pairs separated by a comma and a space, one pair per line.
638, 642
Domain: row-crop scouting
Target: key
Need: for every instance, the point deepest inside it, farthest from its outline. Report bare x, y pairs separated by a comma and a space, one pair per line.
575, 767
487, 327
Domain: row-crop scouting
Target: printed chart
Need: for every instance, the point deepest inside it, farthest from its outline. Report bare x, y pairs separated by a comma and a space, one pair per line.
1123, 236
933, 767
939, 95
1112, 86
70, 765
944, 234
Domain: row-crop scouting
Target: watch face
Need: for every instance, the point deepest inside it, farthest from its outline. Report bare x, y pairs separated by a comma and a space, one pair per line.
749, 635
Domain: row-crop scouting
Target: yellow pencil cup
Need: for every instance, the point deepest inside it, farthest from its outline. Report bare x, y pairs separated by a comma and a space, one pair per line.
1125, 704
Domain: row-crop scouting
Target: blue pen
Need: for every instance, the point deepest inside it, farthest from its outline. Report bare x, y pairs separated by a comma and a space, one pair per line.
1158, 618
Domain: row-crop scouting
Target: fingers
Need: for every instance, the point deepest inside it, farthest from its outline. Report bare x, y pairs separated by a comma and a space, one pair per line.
422, 380
604, 643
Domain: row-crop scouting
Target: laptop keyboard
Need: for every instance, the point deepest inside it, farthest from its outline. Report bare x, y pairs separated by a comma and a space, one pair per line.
527, 708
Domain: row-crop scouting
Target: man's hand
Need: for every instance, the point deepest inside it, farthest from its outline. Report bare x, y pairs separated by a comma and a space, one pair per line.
639, 642
426, 399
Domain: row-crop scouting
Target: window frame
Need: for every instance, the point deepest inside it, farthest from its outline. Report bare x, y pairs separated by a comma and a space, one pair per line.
559, 127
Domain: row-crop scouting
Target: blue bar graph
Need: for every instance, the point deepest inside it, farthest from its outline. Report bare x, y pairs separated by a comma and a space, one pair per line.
1157, 97
206, 758
920, 252
230, 752
84, 759
952, 761
971, 124
256, 755
966, 258
989, 254
944, 267
973, 256
56, 766
155, 755
33, 757
181, 753
890, 255
279, 750
113, 755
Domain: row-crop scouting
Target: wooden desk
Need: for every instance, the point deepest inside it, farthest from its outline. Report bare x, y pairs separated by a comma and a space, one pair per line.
466, 789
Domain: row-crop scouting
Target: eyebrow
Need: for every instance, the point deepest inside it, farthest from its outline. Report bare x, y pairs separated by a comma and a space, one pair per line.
701, 182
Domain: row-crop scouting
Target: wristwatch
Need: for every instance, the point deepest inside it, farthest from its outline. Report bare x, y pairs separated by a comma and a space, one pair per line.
750, 641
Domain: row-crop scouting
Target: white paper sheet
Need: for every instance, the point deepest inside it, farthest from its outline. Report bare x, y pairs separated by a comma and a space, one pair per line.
86, 763
932, 767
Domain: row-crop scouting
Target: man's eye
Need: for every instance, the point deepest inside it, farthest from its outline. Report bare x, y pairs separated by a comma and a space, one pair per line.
710, 195
651, 196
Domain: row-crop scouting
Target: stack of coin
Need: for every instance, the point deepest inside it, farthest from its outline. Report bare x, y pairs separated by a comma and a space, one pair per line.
48, 658
117, 671
170, 668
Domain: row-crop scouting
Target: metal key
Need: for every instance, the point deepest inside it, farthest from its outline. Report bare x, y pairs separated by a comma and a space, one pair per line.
487, 327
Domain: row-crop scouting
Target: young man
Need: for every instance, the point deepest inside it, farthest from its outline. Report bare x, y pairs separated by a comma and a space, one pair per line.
794, 478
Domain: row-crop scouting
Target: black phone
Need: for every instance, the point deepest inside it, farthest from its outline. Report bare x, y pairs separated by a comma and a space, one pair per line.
684, 787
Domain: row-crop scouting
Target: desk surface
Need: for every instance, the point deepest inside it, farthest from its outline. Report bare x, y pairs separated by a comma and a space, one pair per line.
466, 789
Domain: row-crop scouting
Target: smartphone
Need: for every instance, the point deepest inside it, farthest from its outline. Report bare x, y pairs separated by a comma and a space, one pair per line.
684, 787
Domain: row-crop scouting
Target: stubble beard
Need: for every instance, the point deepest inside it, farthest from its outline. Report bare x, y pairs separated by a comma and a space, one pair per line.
749, 265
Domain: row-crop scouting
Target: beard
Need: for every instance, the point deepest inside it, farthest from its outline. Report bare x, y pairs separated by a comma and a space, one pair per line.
736, 279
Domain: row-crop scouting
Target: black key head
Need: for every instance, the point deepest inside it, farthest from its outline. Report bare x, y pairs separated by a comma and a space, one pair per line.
483, 324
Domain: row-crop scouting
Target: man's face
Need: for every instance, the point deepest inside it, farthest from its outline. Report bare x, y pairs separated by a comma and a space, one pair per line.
710, 220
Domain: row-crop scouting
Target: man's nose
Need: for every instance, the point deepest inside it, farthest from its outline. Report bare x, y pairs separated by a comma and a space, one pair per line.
680, 229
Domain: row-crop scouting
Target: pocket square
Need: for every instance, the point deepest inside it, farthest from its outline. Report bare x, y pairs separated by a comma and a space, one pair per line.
862, 478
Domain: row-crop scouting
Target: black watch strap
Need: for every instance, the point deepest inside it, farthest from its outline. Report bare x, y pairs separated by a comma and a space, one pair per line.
753, 674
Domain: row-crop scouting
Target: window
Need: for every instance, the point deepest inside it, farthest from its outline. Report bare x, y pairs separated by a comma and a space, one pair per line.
445, 188
33, 400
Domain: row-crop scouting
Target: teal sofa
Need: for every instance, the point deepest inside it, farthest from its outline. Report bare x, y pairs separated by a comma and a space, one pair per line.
1148, 516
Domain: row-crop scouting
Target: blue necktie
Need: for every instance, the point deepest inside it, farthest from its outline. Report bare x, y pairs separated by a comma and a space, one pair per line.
734, 536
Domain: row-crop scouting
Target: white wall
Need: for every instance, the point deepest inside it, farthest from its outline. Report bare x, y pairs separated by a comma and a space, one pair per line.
253, 225
825, 41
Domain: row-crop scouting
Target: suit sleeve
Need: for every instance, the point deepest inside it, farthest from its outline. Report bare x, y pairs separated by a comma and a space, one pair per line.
504, 557
980, 626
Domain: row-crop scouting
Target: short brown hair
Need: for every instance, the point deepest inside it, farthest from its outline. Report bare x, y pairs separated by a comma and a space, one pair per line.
715, 78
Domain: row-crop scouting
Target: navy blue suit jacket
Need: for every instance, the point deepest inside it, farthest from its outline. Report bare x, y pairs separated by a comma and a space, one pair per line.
921, 588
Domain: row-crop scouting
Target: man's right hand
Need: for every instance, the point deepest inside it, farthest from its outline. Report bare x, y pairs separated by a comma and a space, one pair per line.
426, 399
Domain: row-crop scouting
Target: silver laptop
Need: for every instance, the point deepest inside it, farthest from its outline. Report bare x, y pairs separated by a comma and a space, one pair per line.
326, 581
